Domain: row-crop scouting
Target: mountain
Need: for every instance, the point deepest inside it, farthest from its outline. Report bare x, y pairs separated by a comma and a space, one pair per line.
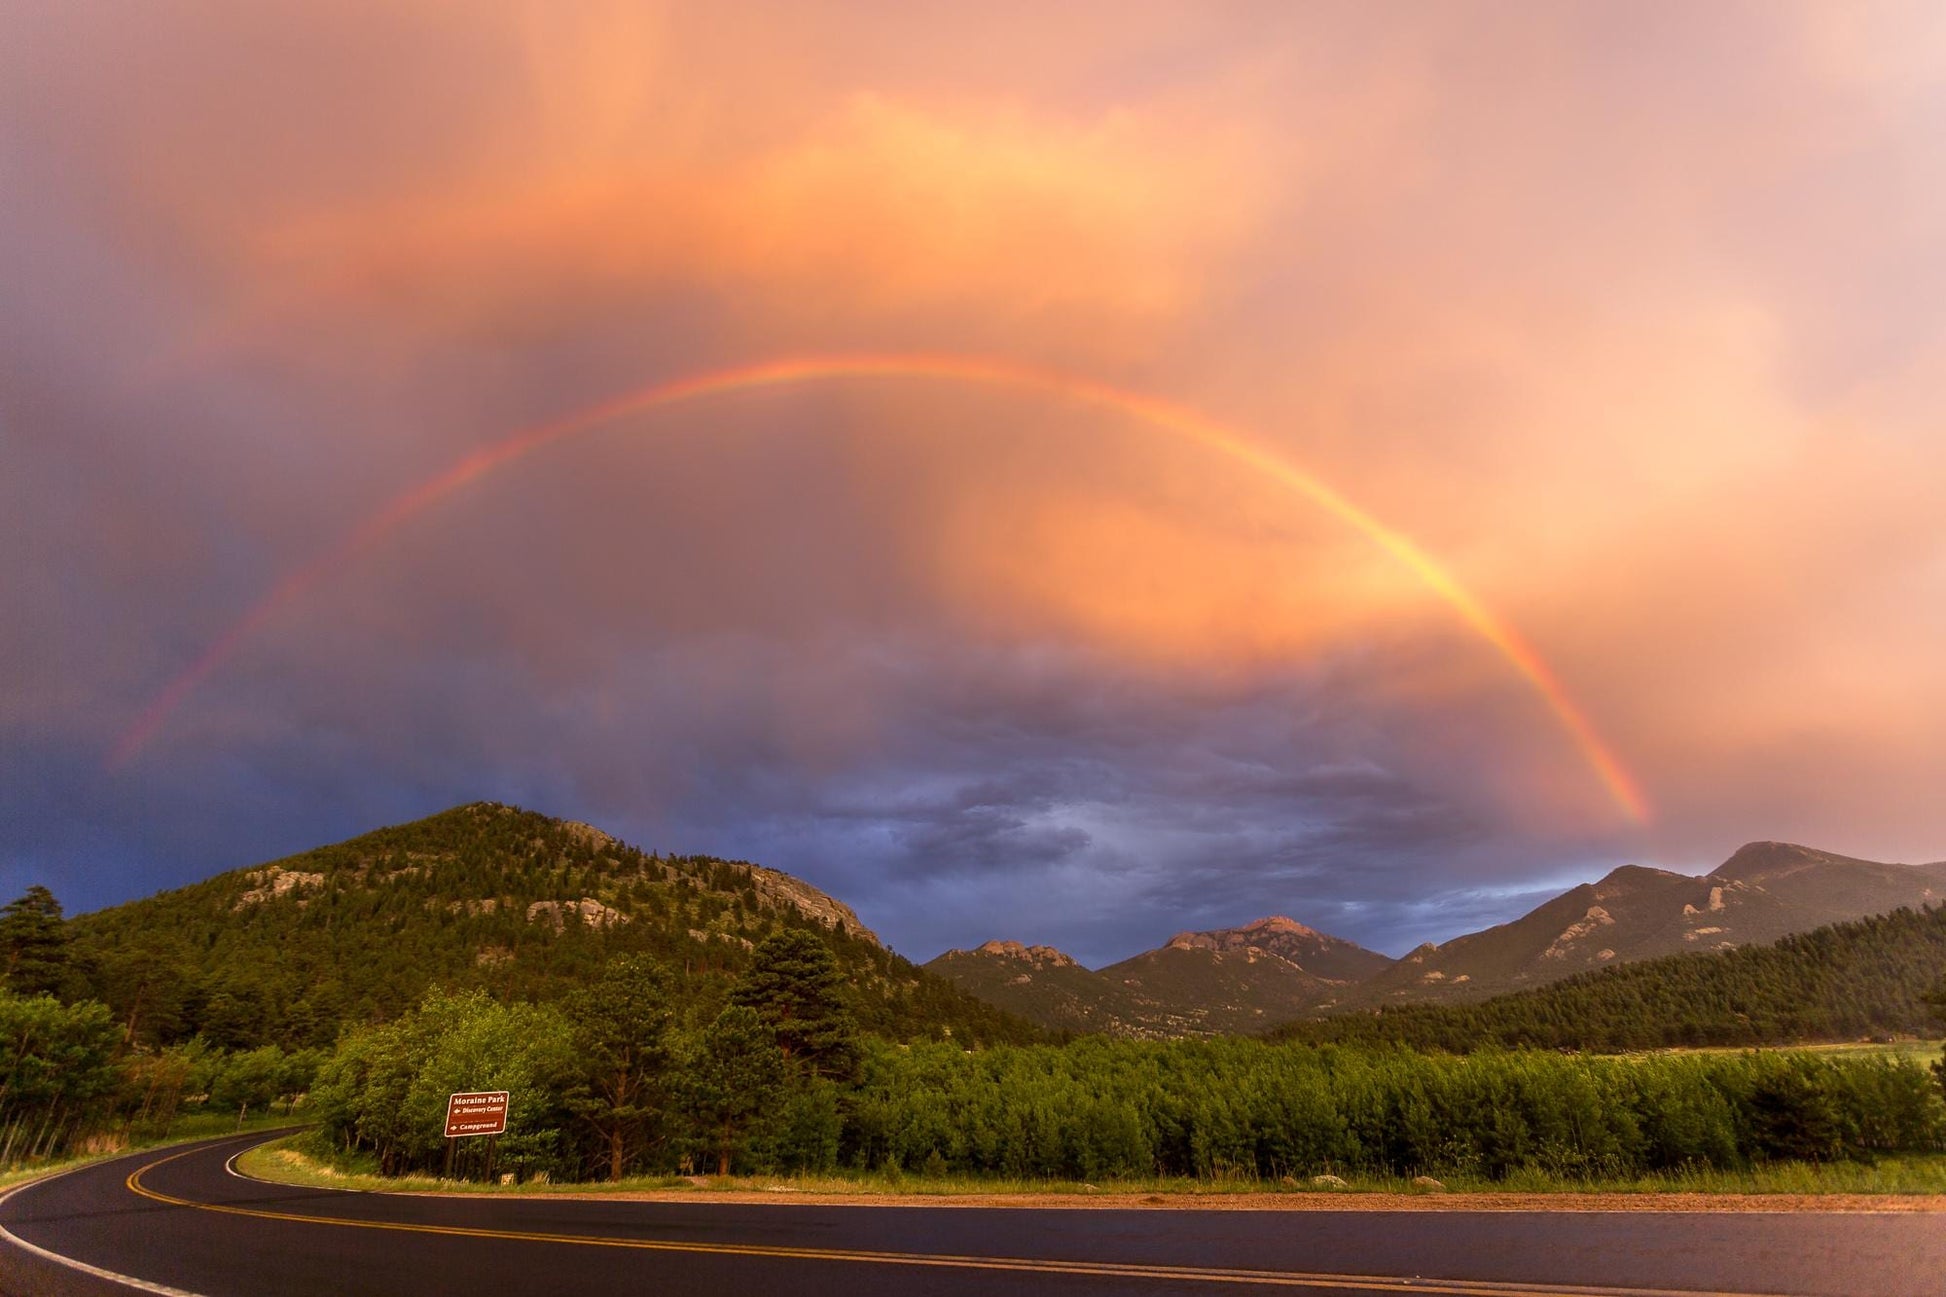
488, 895
1221, 992
1765, 891
1225, 981
1845, 981
1044, 986
482, 895
1248, 978
1799, 881
1322, 956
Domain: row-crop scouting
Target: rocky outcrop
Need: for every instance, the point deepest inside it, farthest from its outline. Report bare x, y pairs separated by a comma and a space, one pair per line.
273, 883
704, 937
1261, 933
1037, 956
781, 890
1595, 919
588, 834
590, 911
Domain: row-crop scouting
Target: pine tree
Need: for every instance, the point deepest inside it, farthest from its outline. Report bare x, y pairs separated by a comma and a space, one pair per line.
734, 1075
794, 983
621, 1028
33, 941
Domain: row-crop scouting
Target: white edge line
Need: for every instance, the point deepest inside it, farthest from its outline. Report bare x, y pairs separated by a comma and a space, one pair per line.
113, 1276
229, 1164
129, 1281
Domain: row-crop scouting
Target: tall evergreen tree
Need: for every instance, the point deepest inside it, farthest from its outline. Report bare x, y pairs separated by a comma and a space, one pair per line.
735, 1074
34, 943
621, 1029
796, 986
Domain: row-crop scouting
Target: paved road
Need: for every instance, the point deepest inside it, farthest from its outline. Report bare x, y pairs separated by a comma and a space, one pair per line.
177, 1220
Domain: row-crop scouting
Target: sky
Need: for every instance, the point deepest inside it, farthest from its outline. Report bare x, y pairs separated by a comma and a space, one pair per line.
1615, 328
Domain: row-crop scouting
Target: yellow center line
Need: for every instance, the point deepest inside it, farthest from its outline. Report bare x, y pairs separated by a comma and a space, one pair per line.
1093, 1269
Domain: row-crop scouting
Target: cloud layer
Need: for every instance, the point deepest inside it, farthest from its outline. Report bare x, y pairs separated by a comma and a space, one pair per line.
1630, 319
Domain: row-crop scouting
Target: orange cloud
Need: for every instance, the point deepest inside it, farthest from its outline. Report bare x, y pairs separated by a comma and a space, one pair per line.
874, 210
1217, 574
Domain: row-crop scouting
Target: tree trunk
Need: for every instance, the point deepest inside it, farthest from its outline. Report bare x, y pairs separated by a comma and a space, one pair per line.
34, 1149
615, 1153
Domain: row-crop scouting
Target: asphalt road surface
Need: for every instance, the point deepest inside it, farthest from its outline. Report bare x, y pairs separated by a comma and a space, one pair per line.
181, 1221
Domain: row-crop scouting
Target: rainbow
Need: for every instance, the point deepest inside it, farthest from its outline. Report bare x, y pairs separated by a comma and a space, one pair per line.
1620, 786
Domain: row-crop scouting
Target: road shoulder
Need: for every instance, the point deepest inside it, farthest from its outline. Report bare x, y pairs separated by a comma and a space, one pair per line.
286, 1166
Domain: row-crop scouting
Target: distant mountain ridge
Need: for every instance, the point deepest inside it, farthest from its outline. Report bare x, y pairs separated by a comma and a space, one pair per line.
1048, 987
1766, 890
1276, 969
1225, 980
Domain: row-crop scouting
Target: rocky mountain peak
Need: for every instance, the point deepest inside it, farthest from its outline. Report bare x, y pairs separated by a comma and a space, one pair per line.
1262, 932
1626, 879
1317, 953
1756, 860
1280, 925
1038, 956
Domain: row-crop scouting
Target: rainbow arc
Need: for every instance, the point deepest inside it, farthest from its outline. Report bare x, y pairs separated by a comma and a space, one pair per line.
1155, 412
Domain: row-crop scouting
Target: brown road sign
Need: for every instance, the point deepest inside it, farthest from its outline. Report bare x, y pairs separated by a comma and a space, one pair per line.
482, 1112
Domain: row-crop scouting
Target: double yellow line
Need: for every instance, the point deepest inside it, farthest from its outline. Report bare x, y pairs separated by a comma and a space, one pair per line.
1025, 1265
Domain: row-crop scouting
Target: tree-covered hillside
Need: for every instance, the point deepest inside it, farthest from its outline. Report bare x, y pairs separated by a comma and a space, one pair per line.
1845, 981
482, 896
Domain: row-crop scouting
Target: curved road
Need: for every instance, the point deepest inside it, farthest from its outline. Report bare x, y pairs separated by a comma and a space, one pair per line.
179, 1221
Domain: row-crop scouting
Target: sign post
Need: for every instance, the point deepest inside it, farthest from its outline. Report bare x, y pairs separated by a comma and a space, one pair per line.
474, 1112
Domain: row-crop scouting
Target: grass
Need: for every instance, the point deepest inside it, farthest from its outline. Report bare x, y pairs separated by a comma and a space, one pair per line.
1905, 1174
183, 1130
1918, 1051
280, 1160
1899, 1174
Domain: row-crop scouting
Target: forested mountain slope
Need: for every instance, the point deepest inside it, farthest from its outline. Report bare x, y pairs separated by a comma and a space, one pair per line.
1052, 989
1215, 991
483, 896
1844, 981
